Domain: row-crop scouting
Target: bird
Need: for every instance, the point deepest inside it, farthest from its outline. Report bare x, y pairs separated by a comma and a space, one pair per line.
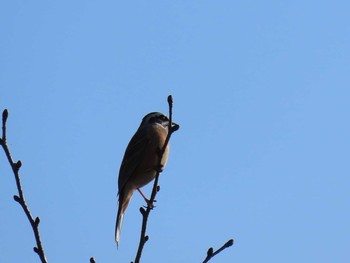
140, 163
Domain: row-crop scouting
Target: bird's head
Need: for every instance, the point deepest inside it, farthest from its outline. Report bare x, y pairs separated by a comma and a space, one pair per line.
157, 118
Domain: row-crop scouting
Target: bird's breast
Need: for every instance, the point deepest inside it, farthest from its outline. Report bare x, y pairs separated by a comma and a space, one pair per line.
149, 165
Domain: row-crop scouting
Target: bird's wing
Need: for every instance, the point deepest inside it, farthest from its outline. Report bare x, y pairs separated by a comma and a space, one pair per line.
132, 156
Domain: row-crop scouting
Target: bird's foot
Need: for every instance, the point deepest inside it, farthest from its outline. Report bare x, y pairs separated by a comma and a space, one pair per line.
148, 202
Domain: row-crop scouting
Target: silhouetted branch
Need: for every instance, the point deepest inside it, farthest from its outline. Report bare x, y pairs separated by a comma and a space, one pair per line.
145, 212
211, 254
20, 197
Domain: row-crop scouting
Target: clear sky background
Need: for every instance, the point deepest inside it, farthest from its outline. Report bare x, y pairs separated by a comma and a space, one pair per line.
261, 91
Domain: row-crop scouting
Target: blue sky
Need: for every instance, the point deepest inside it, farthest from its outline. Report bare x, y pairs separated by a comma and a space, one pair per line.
261, 91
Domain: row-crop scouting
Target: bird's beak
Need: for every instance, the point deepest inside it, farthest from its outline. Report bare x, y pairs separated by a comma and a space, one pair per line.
174, 126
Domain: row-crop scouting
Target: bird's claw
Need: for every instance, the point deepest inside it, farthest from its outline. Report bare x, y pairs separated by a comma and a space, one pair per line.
150, 205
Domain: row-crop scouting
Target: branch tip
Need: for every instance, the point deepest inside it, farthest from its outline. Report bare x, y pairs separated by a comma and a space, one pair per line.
18, 164
142, 211
210, 252
170, 100
5, 114
17, 199
229, 243
37, 221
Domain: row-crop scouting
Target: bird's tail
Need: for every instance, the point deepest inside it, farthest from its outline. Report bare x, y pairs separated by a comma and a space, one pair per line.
123, 204
118, 225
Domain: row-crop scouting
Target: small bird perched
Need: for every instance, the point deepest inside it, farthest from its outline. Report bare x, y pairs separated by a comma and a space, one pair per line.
141, 160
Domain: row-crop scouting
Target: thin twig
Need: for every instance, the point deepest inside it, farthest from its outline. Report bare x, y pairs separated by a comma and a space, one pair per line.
211, 254
155, 189
20, 197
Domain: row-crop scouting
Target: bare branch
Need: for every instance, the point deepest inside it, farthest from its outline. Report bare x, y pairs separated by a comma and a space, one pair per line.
155, 189
20, 197
211, 254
